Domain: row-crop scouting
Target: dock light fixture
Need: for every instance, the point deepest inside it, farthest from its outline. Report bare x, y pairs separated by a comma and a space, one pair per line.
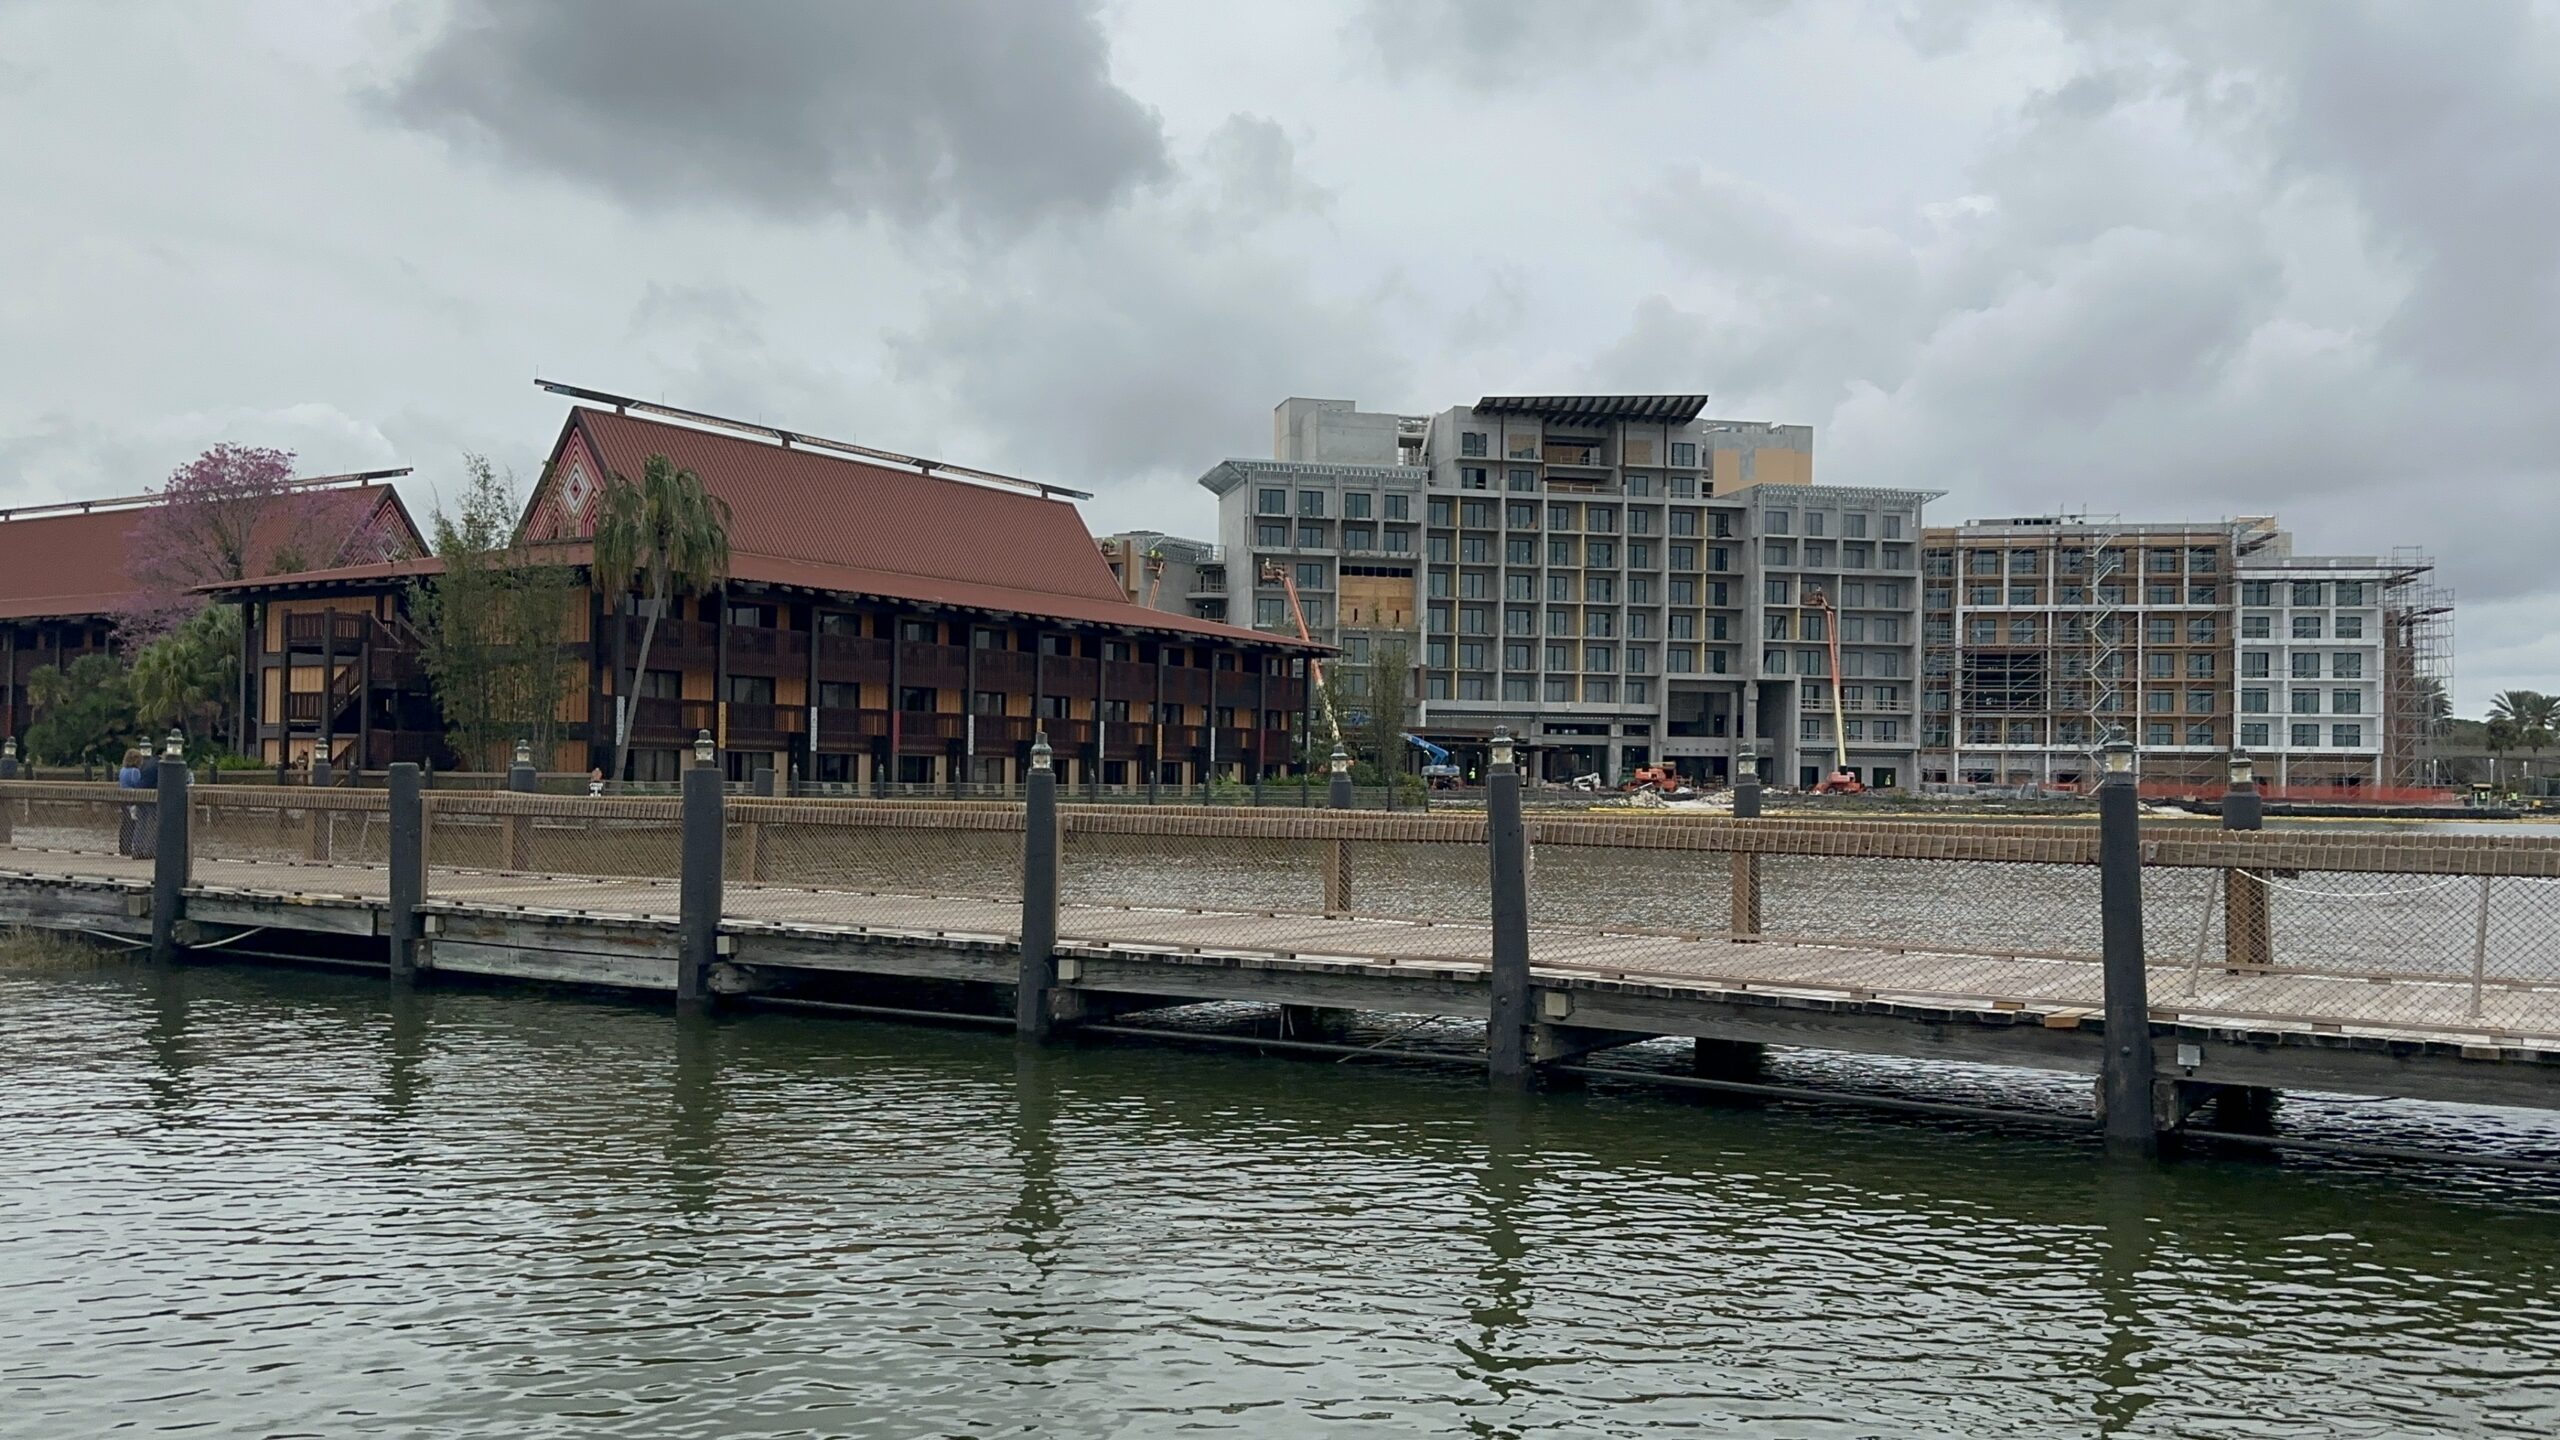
1040, 750
1341, 759
175, 747
1501, 747
9, 747
1747, 762
703, 750
2119, 753
2244, 771
524, 752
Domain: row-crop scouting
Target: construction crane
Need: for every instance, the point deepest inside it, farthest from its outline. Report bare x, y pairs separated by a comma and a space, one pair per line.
1840, 781
1279, 575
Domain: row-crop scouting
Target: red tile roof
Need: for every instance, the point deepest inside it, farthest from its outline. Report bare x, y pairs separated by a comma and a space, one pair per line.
807, 520
809, 506
826, 522
63, 566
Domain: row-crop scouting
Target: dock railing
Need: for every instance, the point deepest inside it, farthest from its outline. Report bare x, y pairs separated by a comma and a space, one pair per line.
2384, 933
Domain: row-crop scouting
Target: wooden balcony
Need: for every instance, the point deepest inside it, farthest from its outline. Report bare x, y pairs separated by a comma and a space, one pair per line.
849, 659
346, 633
942, 667
1129, 680
756, 650
1073, 676
1009, 671
850, 731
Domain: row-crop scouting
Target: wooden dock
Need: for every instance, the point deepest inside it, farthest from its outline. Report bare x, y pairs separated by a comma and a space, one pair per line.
1593, 986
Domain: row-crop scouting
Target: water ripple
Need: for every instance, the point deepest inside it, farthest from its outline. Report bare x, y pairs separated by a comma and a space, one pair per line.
252, 1203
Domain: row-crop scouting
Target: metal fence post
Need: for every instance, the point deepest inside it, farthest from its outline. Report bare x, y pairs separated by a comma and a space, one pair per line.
169, 868
1039, 972
699, 889
1506, 837
408, 877
2125, 1082
1745, 916
2248, 926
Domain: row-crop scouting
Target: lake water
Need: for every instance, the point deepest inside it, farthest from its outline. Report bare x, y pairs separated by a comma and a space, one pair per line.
274, 1203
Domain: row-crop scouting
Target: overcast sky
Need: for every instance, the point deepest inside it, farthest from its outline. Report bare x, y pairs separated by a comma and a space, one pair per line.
2173, 262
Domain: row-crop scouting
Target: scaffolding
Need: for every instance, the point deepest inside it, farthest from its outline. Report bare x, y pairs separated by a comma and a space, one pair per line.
2417, 666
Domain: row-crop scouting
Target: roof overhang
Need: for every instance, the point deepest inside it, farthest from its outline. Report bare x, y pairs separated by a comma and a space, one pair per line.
1662, 409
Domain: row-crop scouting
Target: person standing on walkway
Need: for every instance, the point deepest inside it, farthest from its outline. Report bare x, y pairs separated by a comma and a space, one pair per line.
128, 811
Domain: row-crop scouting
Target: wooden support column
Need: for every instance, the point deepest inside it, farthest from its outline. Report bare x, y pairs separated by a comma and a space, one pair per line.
809, 699
321, 758
719, 602
1101, 727
895, 625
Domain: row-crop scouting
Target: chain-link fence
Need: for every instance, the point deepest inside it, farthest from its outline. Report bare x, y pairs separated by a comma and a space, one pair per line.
592, 854
70, 818
915, 868
2419, 934
275, 825
1410, 887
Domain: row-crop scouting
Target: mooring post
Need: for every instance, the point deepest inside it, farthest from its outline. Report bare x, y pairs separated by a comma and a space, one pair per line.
699, 888
2125, 1082
1746, 863
1337, 851
408, 878
1039, 973
169, 866
2248, 924
1507, 845
521, 780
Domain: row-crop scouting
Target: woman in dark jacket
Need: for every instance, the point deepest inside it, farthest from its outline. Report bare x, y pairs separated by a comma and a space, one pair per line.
128, 814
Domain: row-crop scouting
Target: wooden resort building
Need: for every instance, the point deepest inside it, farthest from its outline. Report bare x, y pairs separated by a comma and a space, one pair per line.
66, 569
884, 620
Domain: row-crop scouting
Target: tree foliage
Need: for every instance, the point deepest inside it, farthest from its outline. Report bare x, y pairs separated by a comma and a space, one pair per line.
1390, 701
661, 536
234, 513
83, 714
190, 677
491, 625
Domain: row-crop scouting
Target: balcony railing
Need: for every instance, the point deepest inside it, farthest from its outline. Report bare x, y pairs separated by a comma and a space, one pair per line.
309, 632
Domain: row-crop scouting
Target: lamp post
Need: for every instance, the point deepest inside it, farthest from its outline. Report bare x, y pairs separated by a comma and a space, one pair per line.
2125, 1080
520, 775
1340, 794
1746, 784
9, 758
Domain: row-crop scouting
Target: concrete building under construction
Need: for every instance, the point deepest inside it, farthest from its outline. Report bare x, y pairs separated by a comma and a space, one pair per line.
2044, 635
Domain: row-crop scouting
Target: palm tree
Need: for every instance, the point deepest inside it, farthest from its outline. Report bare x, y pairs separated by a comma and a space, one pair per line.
2533, 716
664, 536
2499, 737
